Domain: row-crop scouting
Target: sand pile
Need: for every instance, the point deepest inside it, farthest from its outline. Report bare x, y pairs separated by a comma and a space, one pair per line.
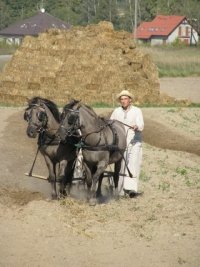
90, 63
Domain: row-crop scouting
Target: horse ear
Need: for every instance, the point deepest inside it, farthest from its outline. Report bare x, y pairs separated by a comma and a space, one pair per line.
77, 103
74, 101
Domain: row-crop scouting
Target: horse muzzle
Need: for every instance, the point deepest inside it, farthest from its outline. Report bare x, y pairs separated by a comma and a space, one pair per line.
32, 132
62, 133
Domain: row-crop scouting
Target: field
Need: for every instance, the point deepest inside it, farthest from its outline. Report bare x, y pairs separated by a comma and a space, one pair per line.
159, 228
175, 61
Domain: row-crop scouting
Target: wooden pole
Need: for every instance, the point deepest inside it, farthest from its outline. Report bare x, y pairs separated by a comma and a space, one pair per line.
36, 176
135, 21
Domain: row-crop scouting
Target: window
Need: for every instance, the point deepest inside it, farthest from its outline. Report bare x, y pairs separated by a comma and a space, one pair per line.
187, 31
179, 31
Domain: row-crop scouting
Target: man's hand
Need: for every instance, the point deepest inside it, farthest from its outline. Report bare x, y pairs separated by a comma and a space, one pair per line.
135, 127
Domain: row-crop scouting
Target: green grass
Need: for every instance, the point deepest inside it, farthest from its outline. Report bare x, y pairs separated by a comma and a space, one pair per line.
172, 106
101, 105
175, 61
144, 177
6, 49
164, 186
181, 171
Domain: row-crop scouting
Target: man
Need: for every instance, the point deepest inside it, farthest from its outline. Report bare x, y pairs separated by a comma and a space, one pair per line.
133, 121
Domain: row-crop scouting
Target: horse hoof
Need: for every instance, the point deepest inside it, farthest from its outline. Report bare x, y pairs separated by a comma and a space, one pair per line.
116, 197
54, 197
99, 195
61, 196
92, 202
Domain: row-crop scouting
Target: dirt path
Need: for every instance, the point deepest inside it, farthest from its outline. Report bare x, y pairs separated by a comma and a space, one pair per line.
160, 228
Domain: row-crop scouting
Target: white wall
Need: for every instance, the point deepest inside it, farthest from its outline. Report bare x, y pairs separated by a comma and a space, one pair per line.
11, 40
172, 37
156, 41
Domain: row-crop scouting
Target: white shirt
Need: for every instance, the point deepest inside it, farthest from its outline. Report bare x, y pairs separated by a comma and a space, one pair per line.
132, 116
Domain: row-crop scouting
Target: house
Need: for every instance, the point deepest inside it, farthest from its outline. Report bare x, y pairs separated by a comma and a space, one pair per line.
166, 30
32, 26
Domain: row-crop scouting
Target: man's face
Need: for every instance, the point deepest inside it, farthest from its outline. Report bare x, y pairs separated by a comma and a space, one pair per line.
125, 101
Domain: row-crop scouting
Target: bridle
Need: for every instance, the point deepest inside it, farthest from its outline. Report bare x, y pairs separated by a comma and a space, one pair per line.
41, 116
73, 120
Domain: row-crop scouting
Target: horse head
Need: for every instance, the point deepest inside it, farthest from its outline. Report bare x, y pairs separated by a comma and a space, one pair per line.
69, 120
37, 115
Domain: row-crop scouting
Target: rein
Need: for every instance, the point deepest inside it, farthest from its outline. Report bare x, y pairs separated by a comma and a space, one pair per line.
124, 124
44, 139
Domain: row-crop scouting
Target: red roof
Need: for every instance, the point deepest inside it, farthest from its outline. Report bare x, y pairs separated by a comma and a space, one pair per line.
160, 26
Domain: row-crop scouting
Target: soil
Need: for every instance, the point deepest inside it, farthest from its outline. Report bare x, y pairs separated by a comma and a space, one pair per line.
160, 228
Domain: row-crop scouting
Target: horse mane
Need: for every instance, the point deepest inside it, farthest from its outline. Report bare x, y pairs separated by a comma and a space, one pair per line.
90, 110
50, 104
73, 102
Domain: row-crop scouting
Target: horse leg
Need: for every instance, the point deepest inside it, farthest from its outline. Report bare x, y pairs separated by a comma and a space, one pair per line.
61, 179
69, 171
117, 169
88, 173
100, 169
99, 193
52, 176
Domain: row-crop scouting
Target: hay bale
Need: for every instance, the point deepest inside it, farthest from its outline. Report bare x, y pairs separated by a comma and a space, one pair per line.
91, 63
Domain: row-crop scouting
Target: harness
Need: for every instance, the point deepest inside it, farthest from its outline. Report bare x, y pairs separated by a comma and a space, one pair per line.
106, 147
74, 122
45, 140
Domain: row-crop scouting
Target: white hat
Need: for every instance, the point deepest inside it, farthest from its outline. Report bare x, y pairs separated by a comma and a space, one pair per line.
124, 93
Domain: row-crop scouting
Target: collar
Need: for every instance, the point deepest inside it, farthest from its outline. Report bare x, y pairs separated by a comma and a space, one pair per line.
126, 110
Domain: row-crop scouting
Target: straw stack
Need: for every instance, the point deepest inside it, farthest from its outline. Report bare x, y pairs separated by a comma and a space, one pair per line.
91, 63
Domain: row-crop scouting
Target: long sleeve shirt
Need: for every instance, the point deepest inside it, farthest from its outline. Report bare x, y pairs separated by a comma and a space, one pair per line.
132, 116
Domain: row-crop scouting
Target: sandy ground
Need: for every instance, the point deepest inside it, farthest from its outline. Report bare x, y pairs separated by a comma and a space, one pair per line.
161, 228
182, 88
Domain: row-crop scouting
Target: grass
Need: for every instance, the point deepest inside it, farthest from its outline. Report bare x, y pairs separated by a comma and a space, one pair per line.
172, 106
175, 61
144, 177
101, 105
6, 49
164, 186
2, 63
150, 105
181, 171
105, 105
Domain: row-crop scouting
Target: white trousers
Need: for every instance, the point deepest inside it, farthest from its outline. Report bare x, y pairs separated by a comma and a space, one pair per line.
133, 157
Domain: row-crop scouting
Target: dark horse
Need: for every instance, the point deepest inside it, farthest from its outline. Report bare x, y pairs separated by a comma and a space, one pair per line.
43, 119
103, 143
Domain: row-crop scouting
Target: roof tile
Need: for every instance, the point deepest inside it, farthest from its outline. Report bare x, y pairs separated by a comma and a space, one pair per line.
160, 26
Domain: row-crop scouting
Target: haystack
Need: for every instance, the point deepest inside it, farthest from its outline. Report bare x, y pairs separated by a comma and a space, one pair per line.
91, 63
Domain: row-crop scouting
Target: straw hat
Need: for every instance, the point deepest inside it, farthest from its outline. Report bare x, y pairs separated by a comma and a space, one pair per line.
124, 93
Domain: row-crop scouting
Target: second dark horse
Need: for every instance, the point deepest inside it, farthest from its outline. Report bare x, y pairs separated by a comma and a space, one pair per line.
102, 142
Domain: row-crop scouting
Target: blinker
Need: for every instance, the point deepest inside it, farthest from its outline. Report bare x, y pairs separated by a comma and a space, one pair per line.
41, 116
72, 119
